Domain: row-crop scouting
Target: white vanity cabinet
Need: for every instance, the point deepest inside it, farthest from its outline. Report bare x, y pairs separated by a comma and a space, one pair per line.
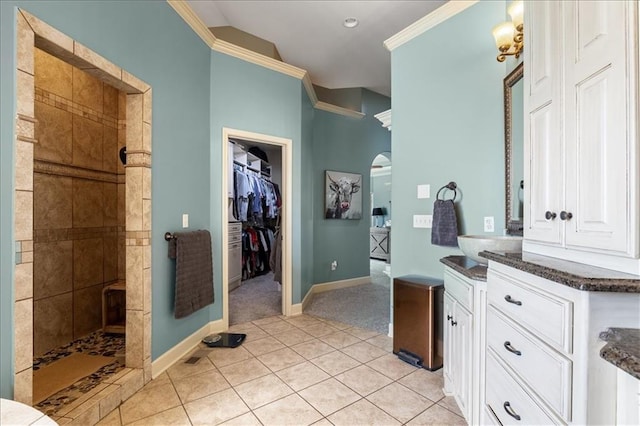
543, 364
581, 136
464, 303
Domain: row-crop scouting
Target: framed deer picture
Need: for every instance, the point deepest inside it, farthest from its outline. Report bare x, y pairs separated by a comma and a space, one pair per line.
342, 194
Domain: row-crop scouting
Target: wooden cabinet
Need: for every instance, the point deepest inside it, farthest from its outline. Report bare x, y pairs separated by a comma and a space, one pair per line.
581, 139
379, 243
464, 342
543, 363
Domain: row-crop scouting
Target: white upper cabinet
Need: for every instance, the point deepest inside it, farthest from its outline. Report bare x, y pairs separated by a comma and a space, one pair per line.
581, 139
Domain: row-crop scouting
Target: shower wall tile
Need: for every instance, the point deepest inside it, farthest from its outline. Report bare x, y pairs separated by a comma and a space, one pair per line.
23, 386
110, 204
24, 281
53, 269
54, 134
122, 142
22, 314
88, 203
146, 112
24, 48
87, 310
24, 162
121, 204
53, 74
88, 257
135, 337
135, 279
147, 291
87, 143
122, 258
52, 199
133, 194
110, 259
23, 220
146, 136
110, 150
122, 105
146, 214
87, 90
53, 318
110, 101
25, 93
134, 122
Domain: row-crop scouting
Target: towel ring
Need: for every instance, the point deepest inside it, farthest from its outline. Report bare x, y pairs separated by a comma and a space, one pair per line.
451, 186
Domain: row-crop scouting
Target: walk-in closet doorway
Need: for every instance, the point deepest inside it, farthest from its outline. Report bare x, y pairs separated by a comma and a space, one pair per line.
272, 144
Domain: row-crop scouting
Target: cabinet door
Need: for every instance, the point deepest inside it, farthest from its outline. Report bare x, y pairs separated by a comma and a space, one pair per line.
463, 346
599, 116
449, 351
544, 174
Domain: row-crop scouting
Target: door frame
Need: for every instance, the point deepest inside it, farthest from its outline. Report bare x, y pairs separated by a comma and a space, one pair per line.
286, 192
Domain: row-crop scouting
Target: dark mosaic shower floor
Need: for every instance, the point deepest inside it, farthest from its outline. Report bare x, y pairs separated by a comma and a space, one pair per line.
97, 343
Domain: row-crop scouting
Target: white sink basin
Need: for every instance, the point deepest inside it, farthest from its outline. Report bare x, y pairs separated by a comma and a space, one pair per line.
471, 245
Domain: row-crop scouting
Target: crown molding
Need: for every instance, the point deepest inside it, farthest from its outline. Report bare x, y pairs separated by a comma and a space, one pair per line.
441, 14
193, 20
385, 118
338, 110
184, 10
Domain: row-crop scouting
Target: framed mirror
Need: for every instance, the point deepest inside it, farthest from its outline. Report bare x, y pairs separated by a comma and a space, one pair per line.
514, 150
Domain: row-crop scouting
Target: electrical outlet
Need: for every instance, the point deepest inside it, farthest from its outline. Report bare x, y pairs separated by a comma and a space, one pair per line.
488, 224
334, 265
185, 220
422, 221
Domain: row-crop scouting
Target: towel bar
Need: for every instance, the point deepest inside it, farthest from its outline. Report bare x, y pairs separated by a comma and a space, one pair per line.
169, 236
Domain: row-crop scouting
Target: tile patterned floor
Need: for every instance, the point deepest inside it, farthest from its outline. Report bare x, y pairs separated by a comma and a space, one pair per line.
293, 371
97, 343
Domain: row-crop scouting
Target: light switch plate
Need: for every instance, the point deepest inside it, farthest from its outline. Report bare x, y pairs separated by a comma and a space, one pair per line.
185, 220
424, 191
422, 221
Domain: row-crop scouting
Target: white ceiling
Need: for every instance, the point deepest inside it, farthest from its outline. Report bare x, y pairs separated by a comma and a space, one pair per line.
310, 34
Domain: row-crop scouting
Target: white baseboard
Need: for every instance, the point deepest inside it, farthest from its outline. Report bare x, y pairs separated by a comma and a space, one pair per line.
390, 329
331, 285
178, 352
297, 308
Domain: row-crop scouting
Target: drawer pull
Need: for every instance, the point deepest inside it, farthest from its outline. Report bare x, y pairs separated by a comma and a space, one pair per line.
507, 346
454, 322
510, 300
449, 317
509, 410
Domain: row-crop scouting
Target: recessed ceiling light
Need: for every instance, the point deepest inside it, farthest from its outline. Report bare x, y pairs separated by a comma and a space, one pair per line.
350, 22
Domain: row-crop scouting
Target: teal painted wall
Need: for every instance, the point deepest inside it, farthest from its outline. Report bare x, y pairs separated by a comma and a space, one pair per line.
447, 126
347, 145
251, 98
151, 41
307, 196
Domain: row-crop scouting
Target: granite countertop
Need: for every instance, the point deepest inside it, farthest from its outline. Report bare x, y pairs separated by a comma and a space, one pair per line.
466, 267
622, 349
576, 275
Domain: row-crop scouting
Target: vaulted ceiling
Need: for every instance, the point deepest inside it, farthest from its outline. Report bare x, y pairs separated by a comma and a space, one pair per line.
311, 34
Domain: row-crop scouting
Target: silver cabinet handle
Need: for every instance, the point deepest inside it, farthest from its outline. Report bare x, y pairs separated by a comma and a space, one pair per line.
509, 410
507, 346
510, 300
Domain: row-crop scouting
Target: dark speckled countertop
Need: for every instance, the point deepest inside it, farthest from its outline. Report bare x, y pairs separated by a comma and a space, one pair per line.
466, 267
572, 274
622, 349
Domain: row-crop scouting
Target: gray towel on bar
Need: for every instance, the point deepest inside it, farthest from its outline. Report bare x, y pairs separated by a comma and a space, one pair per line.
444, 228
194, 272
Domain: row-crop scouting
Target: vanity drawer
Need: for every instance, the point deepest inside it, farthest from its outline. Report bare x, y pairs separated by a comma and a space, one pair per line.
235, 227
459, 289
544, 370
235, 237
545, 315
510, 403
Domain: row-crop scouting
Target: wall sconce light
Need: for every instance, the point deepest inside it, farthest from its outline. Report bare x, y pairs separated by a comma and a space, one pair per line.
509, 35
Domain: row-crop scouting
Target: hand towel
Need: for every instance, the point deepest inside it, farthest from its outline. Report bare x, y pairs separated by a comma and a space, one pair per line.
444, 229
194, 272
